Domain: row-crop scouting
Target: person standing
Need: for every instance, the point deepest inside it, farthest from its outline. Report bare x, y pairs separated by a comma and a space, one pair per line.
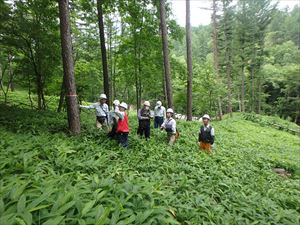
113, 119
169, 125
101, 111
144, 116
159, 114
206, 135
122, 130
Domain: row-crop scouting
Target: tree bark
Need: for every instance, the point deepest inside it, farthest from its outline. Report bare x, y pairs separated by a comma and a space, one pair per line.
189, 62
61, 97
216, 54
167, 69
243, 89
227, 62
68, 66
103, 49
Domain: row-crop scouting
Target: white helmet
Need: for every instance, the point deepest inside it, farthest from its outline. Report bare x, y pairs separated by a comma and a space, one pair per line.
146, 103
103, 96
169, 110
158, 103
123, 105
206, 117
116, 102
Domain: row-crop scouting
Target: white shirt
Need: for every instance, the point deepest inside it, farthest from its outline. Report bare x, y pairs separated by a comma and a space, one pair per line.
169, 124
160, 111
101, 110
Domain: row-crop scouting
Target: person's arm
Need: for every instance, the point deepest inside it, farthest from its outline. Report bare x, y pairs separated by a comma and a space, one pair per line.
88, 106
163, 126
120, 114
173, 126
212, 133
199, 137
139, 114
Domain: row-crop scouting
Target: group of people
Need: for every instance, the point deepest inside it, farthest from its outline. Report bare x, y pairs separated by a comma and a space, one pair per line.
115, 122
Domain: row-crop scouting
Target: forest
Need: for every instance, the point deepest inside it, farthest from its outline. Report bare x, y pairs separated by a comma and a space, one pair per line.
243, 69
246, 60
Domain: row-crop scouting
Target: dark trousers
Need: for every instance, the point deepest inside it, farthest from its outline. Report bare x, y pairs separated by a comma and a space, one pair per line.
123, 139
144, 128
158, 121
112, 134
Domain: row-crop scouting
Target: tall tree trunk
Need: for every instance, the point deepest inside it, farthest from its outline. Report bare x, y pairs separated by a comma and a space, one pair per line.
189, 62
216, 54
252, 88
68, 66
103, 49
228, 62
243, 89
167, 68
259, 96
61, 97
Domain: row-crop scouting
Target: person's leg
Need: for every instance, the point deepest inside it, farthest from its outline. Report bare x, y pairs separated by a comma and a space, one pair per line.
172, 139
98, 124
147, 130
160, 121
123, 140
156, 121
206, 147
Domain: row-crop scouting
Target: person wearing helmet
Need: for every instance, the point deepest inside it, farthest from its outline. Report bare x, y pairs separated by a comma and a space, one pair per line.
159, 114
101, 111
206, 135
169, 125
144, 116
113, 119
122, 126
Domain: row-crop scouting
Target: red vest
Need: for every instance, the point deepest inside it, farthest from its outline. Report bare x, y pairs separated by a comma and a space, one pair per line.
123, 125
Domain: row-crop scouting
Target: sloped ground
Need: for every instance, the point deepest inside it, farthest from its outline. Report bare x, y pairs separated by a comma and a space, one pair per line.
48, 177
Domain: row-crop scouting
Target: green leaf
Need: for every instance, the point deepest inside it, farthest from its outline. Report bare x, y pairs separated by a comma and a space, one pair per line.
21, 204
64, 208
2, 206
20, 221
87, 207
39, 207
54, 221
103, 217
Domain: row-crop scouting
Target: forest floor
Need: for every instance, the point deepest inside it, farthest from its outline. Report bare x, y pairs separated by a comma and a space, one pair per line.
49, 177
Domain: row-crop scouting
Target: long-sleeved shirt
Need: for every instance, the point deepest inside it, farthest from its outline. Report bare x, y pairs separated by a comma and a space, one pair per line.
144, 114
101, 110
169, 125
160, 111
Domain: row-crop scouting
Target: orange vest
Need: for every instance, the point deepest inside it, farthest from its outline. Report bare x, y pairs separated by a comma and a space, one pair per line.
123, 125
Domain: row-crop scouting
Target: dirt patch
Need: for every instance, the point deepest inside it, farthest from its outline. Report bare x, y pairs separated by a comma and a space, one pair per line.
282, 172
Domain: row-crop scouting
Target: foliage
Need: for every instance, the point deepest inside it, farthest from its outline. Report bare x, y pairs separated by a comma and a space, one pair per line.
48, 177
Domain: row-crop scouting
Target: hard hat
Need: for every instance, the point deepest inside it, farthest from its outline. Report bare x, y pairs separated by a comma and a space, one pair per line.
147, 103
123, 105
158, 103
116, 102
170, 110
206, 117
103, 96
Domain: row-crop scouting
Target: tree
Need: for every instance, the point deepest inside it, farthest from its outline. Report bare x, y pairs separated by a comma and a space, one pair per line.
165, 46
103, 49
216, 53
68, 66
189, 62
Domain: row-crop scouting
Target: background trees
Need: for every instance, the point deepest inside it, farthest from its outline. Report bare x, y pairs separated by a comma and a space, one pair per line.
246, 60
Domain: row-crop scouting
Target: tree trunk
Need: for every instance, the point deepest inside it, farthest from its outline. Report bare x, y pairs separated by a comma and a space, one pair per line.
189, 62
228, 63
252, 88
61, 97
167, 69
103, 49
68, 66
243, 89
259, 96
216, 54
